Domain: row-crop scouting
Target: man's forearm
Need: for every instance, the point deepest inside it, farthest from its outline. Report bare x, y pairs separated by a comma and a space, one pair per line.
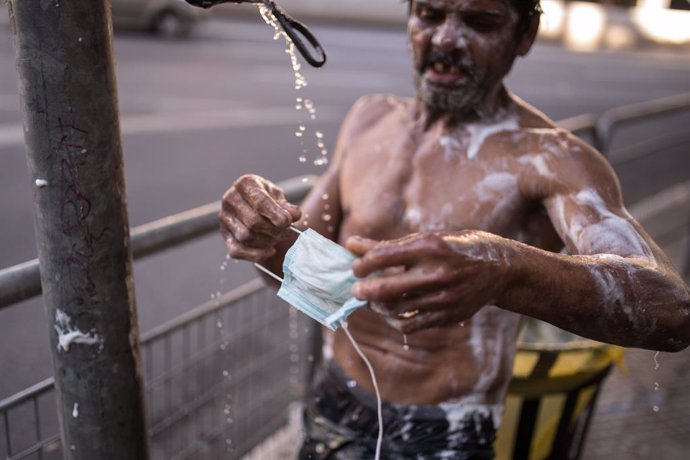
625, 301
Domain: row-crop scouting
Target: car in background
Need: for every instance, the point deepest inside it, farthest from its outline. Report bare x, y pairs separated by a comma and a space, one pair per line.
167, 18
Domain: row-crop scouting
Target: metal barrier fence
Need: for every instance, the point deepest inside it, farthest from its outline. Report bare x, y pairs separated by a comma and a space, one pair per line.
229, 359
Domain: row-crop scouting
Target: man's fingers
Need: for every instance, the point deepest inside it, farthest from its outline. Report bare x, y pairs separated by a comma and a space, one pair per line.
422, 321
240, 251
395, 288
266, 205
359, 245
424, 303
231, 227
251, 218
405, 252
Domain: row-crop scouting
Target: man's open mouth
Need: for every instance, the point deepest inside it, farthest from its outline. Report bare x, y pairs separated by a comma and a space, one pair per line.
444, 72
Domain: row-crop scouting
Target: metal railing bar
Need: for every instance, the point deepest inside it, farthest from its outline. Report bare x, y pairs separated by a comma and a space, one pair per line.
204, 309
174, 371
613, 118
37, 418
23, 281
197, 403
8, 438
167, 386
647, 148
38, 447
26, 394
19, 282
579, 124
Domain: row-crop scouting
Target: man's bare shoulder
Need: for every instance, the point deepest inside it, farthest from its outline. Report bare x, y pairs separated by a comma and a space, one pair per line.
368, 111
559, 158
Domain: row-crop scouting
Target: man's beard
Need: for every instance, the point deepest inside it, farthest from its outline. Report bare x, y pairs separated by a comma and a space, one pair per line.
460, 100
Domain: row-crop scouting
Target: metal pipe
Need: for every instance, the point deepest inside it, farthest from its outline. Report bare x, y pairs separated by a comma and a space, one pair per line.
613, 118
69, 104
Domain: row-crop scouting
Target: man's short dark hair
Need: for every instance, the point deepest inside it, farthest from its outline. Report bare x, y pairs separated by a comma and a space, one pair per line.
526, 9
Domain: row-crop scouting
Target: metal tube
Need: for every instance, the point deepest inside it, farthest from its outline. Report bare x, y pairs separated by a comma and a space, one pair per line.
69, 104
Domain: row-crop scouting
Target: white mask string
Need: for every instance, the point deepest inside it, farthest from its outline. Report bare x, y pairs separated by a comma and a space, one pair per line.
379, 409
376, 389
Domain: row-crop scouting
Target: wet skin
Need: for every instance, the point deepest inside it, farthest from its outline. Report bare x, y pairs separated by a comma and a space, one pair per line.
460, 201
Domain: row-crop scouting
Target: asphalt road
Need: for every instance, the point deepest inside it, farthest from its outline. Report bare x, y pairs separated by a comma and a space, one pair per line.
196, 114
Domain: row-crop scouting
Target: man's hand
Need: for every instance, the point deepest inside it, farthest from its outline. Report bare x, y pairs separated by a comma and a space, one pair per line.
431, 279
254, 217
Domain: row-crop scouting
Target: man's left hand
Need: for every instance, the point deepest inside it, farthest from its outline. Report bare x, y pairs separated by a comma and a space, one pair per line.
427, 280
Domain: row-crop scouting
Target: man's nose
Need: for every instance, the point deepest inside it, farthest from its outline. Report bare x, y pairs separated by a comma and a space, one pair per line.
448, 36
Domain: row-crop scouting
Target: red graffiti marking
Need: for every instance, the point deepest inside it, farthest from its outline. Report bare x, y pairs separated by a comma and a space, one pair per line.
76, 207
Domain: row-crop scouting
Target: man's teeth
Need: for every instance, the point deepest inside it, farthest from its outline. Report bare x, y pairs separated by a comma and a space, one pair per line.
442, 67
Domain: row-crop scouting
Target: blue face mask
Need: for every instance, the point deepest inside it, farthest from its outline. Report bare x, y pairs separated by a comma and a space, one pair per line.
318, 279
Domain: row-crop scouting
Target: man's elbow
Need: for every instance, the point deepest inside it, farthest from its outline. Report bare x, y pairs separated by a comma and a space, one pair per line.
677, 337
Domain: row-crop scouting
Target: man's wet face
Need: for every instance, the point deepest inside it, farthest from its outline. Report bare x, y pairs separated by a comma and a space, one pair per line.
461, 50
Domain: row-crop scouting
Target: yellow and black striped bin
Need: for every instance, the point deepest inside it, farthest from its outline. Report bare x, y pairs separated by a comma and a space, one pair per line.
551, 398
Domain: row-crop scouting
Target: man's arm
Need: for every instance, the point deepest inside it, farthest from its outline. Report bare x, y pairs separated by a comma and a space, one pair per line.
255, 216
616, 286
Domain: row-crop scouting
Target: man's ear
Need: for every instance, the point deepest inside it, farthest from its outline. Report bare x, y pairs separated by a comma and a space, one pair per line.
529, 36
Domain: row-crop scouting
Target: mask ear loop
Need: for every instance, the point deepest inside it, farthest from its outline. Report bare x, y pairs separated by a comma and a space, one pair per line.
379, 409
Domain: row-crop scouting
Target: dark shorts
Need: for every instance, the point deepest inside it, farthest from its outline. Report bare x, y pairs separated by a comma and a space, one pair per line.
341, 423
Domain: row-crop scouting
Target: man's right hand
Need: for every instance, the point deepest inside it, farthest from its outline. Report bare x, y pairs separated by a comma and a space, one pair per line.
254, 217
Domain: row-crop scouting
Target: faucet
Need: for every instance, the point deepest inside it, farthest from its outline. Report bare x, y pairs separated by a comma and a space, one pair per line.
294, 29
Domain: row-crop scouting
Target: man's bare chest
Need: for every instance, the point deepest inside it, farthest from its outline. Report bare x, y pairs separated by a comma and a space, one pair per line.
389, 190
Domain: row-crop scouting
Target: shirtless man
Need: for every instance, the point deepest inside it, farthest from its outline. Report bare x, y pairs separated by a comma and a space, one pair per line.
461, 201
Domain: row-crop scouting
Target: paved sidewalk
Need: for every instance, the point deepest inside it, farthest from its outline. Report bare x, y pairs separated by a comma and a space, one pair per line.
644, 412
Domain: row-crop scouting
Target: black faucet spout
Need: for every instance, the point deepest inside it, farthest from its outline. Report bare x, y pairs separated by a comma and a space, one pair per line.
295, 30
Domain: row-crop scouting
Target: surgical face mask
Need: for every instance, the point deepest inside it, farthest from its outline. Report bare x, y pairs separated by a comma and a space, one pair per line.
318, 279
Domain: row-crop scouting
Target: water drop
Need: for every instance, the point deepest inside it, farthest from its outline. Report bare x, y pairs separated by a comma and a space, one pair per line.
325, 196
656, 408
351, 383
326, 217
406, 347
656, 360
219, 324
305, 180
656, 386
226, 374
302, 159
319, 135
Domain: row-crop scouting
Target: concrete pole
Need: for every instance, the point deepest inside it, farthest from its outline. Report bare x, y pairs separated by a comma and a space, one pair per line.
69, 104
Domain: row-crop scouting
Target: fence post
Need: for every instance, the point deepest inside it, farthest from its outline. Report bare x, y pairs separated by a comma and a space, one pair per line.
69, 105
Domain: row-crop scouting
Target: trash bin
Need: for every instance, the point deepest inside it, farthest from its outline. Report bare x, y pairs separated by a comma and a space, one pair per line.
556, 380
